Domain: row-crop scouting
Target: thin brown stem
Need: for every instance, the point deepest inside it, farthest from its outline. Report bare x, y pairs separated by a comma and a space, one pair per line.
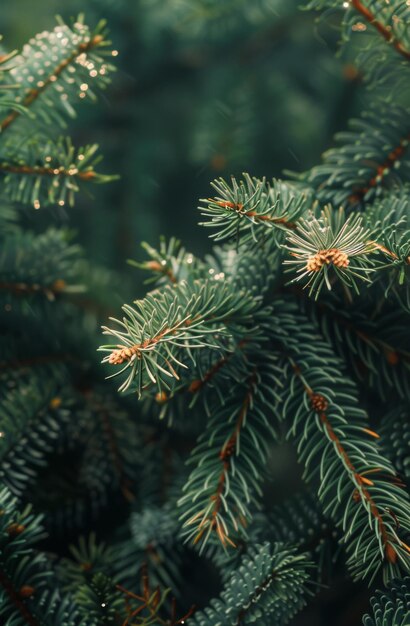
47, 171
392, 354
388, 164
381, 28
16, 600
123, 353
255, 595
21, 289
110, 434
198, 383
239, 208
34, 93
155, 266
320, 405
225, 455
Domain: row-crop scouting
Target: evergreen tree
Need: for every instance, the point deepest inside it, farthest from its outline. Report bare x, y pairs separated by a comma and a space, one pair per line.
293, 331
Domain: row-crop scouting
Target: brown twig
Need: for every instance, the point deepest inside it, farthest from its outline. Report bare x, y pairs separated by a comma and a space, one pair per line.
150, 600
155, 266
128, 353
265, 584
197, 384
381, 28
225, 455
390, 161
47, 171
111, 436
320, 405
34, 93
17, 601
25, 288
392, 354
254, 214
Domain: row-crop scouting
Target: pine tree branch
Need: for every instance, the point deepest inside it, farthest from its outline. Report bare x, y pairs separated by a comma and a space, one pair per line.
22, 289
43, 171
256, 594
251, 206
320, 405
391, 161
47, 171
331, 429
122, 354
381, 28
103, 413
226, 477
197, 384
391, 606
269, 584
163, 329
211, 520
17, 601
364, 160
256, 216
34, 93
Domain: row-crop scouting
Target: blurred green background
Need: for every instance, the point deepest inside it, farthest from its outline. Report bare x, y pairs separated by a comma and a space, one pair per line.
204, 88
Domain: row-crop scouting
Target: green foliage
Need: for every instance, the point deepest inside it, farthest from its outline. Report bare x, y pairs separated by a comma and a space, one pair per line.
241, 209
365, 162
369, 511
357, 486
29, 428
270, 583
390, 607
40, 266
49, 59
329, 242
379, 34
395, 433
54, 70
188, 316
99, 602
230, 458
26, 595
233, 361
53, 171
371, 343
